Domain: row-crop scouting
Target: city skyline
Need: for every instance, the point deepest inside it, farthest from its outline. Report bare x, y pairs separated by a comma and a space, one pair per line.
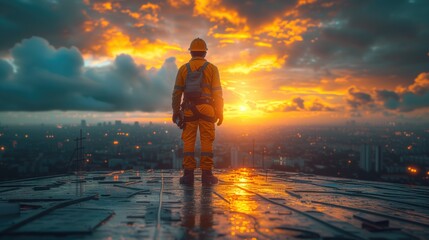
281, 62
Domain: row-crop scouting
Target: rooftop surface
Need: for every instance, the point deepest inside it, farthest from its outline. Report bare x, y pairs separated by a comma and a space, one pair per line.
246, 204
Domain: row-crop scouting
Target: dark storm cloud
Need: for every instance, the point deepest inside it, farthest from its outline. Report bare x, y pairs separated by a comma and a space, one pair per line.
368, 38
55, 79
390, 99
56, 21
6, 70
298, 105
358, 99
412, 98
299, 102
411, 101
317, 107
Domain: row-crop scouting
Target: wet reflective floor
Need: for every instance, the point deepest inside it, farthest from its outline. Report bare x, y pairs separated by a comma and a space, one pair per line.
246, 204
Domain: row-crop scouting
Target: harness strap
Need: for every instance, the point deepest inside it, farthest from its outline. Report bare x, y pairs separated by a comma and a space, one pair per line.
199, 115
188, 67
195, 113
204, 66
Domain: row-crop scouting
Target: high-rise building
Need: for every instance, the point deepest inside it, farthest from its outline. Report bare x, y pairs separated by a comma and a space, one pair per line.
83, 123
234, 156
378, 159
371, 158
364, 162
176, 162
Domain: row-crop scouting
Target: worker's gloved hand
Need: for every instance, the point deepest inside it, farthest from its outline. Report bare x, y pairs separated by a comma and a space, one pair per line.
175, 116
219, 119
179, 120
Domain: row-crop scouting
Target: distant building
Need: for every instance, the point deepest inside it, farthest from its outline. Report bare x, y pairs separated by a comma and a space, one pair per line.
176, 161
83, 123
371, 158
235, 157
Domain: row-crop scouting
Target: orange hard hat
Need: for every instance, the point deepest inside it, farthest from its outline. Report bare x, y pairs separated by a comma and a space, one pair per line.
198, 45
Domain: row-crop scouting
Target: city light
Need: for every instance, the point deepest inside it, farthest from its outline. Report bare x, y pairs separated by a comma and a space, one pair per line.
2, 148
412, 170
115, 142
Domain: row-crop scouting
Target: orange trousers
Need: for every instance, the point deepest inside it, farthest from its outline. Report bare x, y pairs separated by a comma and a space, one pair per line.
207, 136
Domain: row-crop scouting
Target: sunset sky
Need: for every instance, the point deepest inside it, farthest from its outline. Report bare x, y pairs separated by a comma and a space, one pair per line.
280, 62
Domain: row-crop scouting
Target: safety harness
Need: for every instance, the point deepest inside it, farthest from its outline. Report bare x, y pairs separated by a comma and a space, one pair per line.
194, 95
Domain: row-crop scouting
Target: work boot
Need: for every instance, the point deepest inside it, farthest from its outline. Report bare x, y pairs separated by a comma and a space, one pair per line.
188, 177
208, 179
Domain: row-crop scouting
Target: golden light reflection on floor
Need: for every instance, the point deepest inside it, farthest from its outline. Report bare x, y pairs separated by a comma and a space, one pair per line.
242, 203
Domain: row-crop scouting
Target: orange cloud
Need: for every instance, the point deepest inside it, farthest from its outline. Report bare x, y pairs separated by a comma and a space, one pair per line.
263, 44
421, 84
286, 31
233, 26
179, 3
216, 12
132, 14
305, 2
151, 53
313, 90
261, 63
102, 7
90, 25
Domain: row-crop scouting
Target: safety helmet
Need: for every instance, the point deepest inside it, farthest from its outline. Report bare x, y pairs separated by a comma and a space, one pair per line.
198, 45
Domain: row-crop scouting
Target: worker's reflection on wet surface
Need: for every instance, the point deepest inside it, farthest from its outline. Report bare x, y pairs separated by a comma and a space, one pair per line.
198, 213
189, 212
206, 213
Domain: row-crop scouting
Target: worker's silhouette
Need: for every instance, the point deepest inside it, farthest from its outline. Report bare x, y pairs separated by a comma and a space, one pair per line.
202, 106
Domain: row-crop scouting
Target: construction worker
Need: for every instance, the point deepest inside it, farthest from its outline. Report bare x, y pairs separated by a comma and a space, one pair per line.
202, 106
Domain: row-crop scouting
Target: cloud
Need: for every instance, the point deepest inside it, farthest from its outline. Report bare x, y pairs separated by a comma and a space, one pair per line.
6, 70
358, 99
390, 99
411, 101
296, 104
318, 107
417, 94
411, 98
369, 40
57, 21
420, 85
262, 63
299, 102
48, 78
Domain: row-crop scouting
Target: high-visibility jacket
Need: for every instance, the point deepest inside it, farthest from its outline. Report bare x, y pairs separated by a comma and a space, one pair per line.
210, 78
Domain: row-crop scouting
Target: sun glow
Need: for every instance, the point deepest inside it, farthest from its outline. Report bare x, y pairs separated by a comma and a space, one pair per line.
243, 108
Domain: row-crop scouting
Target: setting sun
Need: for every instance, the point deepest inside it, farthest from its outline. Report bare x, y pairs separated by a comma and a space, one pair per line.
243, 108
